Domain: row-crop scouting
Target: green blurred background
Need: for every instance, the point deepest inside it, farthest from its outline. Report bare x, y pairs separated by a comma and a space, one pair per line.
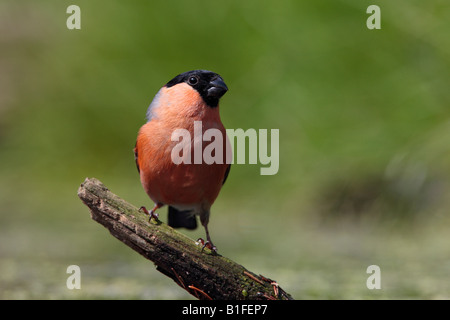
364, 124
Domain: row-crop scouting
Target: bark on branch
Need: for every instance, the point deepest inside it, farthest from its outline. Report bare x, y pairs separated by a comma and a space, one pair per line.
202, 274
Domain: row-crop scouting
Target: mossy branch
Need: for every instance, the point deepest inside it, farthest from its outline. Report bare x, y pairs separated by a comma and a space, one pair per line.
203, 274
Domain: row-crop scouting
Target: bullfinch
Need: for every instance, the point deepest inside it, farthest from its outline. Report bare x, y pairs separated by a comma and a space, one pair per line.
188, 188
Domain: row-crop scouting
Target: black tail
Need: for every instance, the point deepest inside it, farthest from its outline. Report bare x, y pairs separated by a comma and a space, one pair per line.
182, 219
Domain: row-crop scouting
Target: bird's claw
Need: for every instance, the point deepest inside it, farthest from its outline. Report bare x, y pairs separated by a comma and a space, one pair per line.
152, 213
207, 244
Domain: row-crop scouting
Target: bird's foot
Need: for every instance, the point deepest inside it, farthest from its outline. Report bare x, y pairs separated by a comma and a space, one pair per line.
208, 244
152, 213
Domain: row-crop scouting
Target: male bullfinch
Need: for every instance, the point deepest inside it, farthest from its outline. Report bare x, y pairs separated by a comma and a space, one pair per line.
188, 188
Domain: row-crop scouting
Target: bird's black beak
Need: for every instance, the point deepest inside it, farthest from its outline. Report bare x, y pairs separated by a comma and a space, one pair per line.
217, 88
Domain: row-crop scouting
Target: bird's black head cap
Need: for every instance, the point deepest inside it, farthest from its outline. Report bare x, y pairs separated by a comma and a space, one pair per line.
209, 85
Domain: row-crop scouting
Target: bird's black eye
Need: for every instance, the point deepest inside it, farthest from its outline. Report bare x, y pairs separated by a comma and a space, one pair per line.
193, 80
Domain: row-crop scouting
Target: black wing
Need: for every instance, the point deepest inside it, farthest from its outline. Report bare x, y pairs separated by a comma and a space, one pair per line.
136, 158
226, 174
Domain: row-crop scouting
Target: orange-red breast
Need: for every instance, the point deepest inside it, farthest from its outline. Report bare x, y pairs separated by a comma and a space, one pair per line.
188, 189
